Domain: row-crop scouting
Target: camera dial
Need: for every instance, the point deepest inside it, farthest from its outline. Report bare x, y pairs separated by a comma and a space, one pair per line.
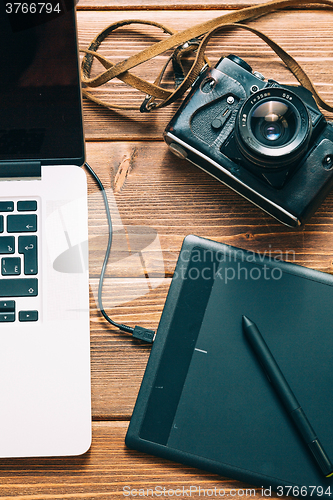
240, 62
273, 128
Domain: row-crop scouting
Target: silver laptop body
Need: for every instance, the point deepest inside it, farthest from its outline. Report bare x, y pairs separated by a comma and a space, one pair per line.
45, 407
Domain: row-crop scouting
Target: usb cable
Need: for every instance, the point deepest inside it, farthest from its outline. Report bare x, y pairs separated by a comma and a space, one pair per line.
138, 332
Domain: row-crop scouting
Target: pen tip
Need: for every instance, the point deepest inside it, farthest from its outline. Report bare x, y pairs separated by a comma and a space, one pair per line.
247, 322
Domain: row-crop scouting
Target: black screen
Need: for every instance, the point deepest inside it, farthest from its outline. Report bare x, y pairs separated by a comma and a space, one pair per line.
40, 112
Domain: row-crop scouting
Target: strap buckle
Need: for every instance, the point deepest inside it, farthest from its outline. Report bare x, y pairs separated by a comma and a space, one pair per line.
147, 104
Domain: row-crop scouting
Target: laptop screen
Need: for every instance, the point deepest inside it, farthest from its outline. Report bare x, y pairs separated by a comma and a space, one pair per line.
40, 112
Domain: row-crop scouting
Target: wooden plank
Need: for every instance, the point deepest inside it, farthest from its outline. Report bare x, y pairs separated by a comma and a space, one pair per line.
169, 198
117, 360
111, 471
295, 32
163, 4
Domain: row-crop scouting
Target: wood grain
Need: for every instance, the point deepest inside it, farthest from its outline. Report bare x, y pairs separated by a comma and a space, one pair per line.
170, 198
294, 31
109, 471
125, 5
118, 361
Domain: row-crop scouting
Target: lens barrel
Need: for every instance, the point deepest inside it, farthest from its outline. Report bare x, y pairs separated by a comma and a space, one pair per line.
273, 128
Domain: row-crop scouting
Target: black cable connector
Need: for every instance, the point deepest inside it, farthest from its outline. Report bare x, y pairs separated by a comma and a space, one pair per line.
138, 332
144, 334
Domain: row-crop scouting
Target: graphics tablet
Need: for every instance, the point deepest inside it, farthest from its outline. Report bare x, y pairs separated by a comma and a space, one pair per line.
205, 401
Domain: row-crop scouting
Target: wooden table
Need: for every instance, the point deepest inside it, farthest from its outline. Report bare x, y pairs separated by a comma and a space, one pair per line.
168, 198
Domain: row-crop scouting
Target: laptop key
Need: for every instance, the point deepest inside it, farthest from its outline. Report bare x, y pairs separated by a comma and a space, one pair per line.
7, 306
21, 223
18, 287
26, 206
28, 246
28, 315
10, 266
1, 223
6, 206
7, 317
7, 244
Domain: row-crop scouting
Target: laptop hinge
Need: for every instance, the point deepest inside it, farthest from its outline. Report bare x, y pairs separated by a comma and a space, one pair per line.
20, 170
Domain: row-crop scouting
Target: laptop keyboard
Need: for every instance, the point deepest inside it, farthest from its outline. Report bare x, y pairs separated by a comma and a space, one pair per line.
18, 260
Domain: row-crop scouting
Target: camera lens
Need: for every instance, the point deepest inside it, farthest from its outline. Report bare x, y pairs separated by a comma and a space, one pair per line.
273, 128
272, 132
275, 121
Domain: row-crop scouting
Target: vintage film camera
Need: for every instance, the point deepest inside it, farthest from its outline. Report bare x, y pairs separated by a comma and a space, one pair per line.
268, 142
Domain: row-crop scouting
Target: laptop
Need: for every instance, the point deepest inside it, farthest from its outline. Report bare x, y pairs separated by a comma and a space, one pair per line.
44, 287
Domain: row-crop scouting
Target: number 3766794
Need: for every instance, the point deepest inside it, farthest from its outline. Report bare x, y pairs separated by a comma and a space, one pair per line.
303, 491
32, 8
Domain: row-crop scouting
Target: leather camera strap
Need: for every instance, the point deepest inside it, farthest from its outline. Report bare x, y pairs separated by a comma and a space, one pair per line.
196, 39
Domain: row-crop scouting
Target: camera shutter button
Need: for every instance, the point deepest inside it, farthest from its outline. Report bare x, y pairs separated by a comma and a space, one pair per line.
258, 75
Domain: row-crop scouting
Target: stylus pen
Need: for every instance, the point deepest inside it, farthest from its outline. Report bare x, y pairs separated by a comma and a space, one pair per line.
282, 388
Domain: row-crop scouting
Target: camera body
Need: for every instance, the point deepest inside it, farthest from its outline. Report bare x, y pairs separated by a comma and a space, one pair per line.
268, 142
